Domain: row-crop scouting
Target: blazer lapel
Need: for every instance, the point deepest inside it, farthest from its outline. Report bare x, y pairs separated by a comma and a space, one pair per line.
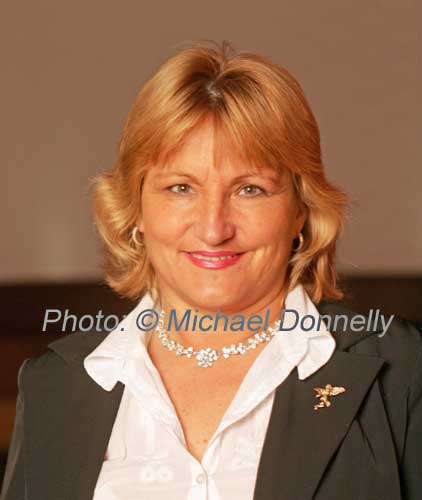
69, 455
300, 441
89, 444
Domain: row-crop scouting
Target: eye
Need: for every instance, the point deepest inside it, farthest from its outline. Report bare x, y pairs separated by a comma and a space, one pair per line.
252, 190
179, 188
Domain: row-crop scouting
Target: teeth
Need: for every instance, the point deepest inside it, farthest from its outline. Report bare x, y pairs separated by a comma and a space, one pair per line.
212, 259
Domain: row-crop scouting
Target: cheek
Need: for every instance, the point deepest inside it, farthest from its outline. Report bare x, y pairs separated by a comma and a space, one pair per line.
161, 233
161, 224
273, 245
275, 227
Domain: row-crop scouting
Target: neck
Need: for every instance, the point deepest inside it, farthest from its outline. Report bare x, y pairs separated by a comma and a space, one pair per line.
199, 328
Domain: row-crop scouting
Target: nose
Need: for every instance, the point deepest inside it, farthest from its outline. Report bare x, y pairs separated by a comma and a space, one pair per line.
213, 224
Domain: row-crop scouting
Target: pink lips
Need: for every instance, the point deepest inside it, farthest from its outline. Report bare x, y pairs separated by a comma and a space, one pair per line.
213, 260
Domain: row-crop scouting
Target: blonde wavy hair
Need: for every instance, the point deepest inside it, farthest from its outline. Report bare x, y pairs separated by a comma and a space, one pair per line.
262, 109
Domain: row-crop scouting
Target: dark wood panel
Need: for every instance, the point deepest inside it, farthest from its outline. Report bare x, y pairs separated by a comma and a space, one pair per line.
401, 296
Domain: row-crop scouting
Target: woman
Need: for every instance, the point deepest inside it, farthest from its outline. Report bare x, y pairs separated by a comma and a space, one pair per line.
218, 204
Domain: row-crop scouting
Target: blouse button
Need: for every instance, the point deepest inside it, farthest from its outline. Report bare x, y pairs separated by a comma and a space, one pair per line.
200, 478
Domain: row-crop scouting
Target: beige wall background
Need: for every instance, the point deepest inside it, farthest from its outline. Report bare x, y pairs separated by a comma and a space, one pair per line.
70, 71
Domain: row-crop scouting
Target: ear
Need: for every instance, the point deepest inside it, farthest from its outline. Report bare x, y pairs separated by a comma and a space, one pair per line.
140, 223
302, 215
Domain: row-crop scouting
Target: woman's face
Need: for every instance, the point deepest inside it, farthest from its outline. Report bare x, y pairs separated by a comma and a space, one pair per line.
191, 206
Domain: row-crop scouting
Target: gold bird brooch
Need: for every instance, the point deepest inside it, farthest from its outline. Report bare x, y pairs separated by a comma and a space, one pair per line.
324, 393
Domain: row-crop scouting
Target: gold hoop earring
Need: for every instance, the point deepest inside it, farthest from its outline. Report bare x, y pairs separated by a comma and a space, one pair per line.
301, 242
135, 238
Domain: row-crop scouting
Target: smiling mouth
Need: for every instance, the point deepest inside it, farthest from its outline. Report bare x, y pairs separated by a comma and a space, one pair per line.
214, 260
211, 258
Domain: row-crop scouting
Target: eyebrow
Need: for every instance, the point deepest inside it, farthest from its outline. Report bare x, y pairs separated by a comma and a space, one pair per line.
272, 176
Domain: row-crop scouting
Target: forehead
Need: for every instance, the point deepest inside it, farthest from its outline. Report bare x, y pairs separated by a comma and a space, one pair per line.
207, 146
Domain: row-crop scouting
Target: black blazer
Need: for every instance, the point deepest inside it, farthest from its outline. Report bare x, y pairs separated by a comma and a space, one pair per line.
366, 446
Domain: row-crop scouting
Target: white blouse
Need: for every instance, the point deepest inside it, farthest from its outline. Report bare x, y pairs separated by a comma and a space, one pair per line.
147, 457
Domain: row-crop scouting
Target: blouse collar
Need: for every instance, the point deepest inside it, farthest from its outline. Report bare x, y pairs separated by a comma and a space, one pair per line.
306, 350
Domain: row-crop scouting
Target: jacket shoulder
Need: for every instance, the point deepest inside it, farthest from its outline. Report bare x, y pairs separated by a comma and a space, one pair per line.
401, 348
72, 348
384, 331
75, 346
399, 344
60, 366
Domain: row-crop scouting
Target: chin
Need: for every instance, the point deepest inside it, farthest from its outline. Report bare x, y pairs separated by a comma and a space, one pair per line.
213, 298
